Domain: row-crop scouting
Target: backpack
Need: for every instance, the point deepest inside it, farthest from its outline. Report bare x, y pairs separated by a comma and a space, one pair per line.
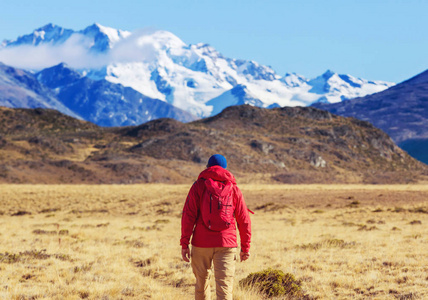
217, 205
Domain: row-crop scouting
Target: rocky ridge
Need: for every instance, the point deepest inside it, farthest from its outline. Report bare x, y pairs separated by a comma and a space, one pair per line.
287, 145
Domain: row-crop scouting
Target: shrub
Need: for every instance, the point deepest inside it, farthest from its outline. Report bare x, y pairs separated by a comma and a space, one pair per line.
21, 213
353, 204
270, 206
421, 210
398, 210
367, 228
273, 283
415, 222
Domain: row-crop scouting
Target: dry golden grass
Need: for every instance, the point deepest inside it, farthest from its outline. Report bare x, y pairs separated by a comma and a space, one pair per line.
122, 241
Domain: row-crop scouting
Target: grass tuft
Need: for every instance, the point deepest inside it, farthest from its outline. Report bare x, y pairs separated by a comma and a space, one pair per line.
329, 243
11, 258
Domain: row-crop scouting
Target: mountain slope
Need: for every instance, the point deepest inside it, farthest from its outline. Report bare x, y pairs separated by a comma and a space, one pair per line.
239, 95
401, 111
289, 145
105, 103
21, 89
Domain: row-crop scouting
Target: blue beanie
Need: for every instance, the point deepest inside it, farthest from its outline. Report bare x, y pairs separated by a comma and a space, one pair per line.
217, 160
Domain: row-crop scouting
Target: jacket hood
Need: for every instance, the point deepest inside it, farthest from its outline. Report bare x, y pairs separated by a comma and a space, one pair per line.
217, 173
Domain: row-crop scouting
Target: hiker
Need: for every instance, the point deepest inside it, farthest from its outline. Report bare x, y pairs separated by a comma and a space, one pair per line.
212, 205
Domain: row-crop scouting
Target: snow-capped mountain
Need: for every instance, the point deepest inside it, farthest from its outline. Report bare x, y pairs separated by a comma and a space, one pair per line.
195, 78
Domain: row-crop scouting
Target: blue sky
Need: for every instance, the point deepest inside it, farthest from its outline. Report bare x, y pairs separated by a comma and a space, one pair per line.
376, 39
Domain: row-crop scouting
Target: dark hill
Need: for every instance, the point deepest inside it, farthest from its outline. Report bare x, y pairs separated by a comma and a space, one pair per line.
24, 121
292, 145
401, 111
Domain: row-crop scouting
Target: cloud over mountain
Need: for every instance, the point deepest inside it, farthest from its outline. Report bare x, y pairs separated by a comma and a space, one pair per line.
76, 52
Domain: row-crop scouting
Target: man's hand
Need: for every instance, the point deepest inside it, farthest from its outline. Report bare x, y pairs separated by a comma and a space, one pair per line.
185, 254
244, 255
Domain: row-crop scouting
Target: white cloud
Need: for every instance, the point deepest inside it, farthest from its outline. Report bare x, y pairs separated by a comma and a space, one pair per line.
136, 47
76, 53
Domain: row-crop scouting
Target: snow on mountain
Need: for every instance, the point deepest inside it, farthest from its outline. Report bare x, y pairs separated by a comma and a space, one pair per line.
190, 76
105, 103
195, 78
336, 88
294, 80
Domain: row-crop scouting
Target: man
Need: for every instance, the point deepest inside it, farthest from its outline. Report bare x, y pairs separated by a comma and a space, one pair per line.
213, 204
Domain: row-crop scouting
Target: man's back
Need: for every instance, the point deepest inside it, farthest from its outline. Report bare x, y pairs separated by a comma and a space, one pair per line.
214, 244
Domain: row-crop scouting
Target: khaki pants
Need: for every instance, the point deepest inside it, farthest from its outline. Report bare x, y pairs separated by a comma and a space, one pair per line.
224, 260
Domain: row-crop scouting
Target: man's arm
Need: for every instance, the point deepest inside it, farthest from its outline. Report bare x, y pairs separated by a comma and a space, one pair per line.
244, 224
188, 220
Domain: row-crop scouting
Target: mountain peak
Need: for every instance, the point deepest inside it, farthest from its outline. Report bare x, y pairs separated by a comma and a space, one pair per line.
328, 74
58, 76
93, 27
48, 26
111, 32
241, 92
207, 49
166, 40
104, 37
49, 33
294, 79
420, 78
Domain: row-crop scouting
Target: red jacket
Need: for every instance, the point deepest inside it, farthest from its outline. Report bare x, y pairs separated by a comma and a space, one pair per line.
192, 223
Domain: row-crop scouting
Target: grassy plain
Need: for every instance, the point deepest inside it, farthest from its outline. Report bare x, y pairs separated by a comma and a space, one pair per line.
122, 241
